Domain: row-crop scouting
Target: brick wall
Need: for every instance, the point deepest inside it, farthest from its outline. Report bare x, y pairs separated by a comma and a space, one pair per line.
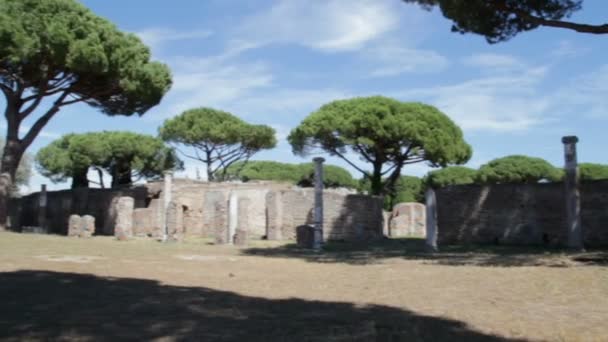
62, 204
345, 216
519, 214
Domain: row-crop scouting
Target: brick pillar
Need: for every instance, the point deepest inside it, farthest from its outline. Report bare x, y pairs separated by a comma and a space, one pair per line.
124, 218
431, 220
318, 211
42, 204
274, 215
572, 194
167, 185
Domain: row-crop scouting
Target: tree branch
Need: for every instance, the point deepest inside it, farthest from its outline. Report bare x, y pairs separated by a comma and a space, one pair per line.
583, 28
336, 152
43, 120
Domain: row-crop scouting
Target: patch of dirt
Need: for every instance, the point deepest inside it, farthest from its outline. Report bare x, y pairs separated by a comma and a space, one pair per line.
79, 259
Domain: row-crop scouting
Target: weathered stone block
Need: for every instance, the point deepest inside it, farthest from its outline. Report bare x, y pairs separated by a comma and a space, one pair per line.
305, 236
74, 226
88, 226
408, 219
241, 237
220, 223
124, 218
175, 221
274, 215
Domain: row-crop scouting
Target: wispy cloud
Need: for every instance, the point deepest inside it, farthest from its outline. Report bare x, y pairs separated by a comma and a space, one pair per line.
498, 103
156, 37
586, 95
493, 61
392, 59
333, 25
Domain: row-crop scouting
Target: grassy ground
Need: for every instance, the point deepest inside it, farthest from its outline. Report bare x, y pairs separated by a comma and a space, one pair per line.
57, 288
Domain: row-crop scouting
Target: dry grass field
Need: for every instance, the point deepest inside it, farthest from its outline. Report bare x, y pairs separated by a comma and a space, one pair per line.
57, 288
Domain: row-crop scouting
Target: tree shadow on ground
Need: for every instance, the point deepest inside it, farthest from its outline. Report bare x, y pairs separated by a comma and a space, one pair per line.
362, 253
41, 305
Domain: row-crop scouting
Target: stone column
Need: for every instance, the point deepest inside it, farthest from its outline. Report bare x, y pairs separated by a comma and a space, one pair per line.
431, 220
168, 180
124, 218
233, 216
274, 215
572, 194
318, 211
42, 208
242, 230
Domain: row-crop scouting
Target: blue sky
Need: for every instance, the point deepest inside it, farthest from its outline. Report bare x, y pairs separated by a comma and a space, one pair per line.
275, 61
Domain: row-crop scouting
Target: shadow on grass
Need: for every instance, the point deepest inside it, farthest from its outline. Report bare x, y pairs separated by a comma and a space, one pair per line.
41, 305
362, 253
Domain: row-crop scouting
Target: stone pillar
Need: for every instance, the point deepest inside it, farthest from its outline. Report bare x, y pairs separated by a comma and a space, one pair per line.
572, 194
175, 221
124, 218
274, 215
431, 220
167, 185
242, 226
74, 225
88, 226
219, 222
318, 211
42, 204
233, 216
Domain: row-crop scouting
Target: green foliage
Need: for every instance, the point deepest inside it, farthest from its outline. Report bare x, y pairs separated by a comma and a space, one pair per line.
56, 46
591, 171
501, 20
299, 174
518, 169
124, 155
383, 132
452, 175
407, 189
220, 139
333, 176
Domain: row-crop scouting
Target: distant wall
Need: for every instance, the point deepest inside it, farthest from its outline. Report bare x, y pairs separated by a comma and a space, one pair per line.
62, 204
278, 206
519, 214
345, 216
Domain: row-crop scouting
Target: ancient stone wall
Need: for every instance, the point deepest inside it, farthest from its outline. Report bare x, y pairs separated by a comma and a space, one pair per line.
201, 209
519, 214
407, 220
198, 200
346, 216
98, 203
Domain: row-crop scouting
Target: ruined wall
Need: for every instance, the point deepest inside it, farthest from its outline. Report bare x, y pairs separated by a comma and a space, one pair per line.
407, 220
519, 214
199, 200
61, 204
346, 216
201, 209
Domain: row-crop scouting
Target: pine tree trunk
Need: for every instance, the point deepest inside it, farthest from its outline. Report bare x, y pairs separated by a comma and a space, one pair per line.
11, 156
79, 179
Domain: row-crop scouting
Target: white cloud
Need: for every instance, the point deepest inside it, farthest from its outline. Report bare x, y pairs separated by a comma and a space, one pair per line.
493, 61
390, 59
155, 37
500, 103
332, 25
286, 103
211, 82
586, 95
568, 49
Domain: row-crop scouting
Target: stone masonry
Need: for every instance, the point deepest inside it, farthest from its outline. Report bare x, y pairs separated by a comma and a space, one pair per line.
408, 220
